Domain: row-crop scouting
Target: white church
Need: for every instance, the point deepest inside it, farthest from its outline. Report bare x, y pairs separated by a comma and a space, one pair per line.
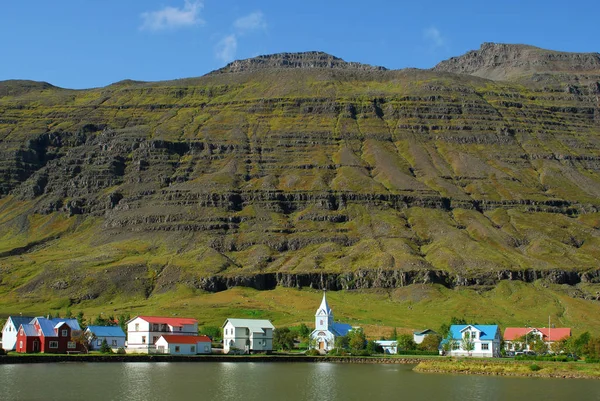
326, 330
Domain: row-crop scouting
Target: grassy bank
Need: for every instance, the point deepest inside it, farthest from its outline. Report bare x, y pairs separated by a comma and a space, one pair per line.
510, 368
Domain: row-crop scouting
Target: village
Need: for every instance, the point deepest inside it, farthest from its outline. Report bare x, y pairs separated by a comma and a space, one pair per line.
180, 336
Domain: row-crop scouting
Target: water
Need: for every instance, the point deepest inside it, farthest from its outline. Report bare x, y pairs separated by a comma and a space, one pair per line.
271, 381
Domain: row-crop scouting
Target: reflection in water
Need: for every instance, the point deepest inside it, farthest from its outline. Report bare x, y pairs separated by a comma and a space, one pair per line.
270, 381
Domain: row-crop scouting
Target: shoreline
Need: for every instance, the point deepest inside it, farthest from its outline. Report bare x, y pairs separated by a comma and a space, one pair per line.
555, 370
26, 359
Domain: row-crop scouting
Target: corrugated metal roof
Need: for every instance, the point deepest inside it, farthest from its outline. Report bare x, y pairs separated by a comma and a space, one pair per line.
254, 325
340, 329
186, 339
29, 330
424, 332
106, 331
488, 331
556, 334
171, 321
73, 323
47, 326
19, 320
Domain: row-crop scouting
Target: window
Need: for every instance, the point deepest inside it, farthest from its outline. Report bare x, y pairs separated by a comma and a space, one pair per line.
20, 344
193, 349
65, 333
114, 343
177, 348
206, 348
71, 345
137, 327
53, 344
485, 347
143, 339
99, 342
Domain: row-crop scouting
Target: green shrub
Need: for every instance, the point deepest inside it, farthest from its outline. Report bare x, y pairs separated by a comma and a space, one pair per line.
534, 367
592, 360
121, 351
105, 348
312, 352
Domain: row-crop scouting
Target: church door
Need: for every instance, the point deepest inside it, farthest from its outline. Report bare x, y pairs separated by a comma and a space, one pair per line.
322, 345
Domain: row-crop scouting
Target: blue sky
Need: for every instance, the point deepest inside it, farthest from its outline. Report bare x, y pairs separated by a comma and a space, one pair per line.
90, 43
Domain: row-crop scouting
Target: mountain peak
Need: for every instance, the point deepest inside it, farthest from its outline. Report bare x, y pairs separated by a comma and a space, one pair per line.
303, 60
500, 61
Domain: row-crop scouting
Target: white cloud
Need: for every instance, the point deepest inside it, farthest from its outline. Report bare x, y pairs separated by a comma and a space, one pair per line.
434, 36
226, 48
172, 17
250, 22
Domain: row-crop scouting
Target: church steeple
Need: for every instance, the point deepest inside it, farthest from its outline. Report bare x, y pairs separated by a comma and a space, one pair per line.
324, 315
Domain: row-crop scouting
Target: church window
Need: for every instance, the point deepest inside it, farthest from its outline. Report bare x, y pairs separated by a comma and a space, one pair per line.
321, 322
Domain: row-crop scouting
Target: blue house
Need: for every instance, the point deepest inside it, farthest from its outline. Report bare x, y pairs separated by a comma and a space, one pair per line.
472, 340
115, 336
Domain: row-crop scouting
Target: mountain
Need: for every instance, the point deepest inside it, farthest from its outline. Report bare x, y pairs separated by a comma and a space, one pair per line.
499, 61
305, 171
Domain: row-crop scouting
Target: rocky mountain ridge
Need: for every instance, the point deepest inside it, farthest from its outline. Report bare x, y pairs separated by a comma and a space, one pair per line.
369, 177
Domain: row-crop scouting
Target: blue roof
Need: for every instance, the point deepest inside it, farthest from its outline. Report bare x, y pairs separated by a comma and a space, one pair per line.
106, 331
488, 331
47, 327
73, 323
340, 329
29, 330
19, 320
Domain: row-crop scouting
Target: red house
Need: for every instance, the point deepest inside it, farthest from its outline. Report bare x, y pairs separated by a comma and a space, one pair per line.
48, 335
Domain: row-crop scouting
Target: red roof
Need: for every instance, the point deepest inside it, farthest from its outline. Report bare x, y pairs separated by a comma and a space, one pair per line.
186, 339
171, 321
556, 334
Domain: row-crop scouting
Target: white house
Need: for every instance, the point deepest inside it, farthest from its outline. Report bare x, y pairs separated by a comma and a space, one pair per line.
114, 336
10, 330
419, 336
144, 331
183, 345
248, 335
389, 346
473, 340
326, 329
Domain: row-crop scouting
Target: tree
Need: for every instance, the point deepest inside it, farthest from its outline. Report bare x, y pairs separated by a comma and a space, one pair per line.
81, 320
304, 331
283, 338
467, 343
341, 342
538, 345
374, 348
357, 339
406, 342
394, 335
448, 344
104, 348
214, 332
79, 337
123, 319
581, 342
431, 342
591, 350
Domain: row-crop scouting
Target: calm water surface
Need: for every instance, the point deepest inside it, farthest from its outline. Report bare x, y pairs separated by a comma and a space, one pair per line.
271, 381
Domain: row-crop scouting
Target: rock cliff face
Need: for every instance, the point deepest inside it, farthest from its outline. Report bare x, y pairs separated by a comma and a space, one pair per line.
303, 171
504, 61
306, 60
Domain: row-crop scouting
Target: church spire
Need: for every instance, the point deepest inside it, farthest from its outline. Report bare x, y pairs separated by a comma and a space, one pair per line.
324, 308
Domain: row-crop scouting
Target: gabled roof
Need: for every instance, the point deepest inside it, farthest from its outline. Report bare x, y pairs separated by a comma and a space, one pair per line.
48, 325
324, 307
556, 334
175, 339
387, 343
171, 321
254, 325
487, 331
340, 329
424, 332
106, 331
19, 320
29, 330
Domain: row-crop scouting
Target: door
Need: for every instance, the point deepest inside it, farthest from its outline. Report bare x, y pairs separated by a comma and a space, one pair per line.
36, 346
322, 345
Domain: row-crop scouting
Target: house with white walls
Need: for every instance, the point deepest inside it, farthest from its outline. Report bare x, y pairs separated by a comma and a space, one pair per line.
247, 335
419, 336
472, 340
144, 331
183, 345
115, 337
10, 330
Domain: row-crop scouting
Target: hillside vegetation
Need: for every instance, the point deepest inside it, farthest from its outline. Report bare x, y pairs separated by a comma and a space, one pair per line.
301, 170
